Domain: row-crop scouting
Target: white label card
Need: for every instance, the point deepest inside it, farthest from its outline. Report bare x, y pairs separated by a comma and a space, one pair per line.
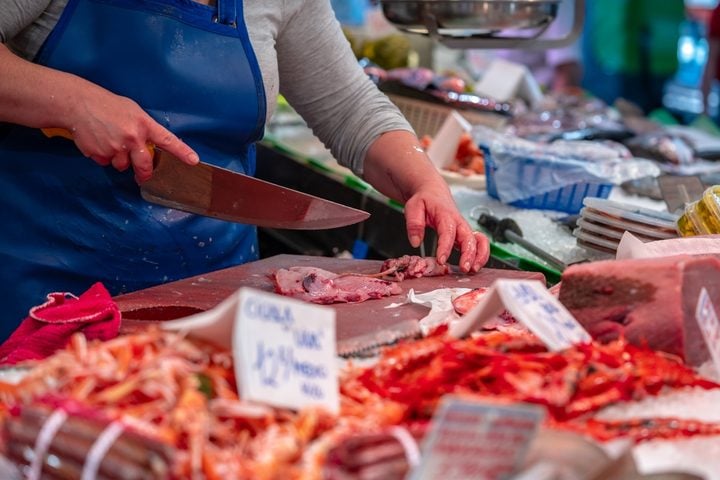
284, 351
709, 326
471, 439
533, 305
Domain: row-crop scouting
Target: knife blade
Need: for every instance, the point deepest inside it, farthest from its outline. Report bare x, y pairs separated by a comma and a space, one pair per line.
217, 192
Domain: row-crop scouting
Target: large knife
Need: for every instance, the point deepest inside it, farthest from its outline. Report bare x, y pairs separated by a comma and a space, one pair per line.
217, 192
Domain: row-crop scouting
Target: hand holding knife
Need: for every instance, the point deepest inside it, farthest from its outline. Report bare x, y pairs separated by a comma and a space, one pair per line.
216, 192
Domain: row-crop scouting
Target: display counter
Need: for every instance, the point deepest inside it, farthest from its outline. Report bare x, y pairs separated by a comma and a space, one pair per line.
291, 156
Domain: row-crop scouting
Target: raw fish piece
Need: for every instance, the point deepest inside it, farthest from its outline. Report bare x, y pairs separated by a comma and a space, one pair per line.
412, 266
649, 301
320, 286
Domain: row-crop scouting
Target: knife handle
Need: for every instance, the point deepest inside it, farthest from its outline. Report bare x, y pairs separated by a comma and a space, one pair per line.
65, 133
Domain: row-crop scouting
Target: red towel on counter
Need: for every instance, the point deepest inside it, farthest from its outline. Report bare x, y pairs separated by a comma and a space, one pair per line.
50, 326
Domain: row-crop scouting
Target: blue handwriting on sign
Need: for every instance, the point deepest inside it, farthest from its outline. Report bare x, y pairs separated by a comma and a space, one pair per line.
312, 390
308, 340
274, 363
525, 294
565, 329
269, 312
271, 363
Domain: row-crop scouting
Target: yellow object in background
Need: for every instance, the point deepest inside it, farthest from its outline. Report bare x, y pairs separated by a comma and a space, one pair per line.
703, 216
388, 52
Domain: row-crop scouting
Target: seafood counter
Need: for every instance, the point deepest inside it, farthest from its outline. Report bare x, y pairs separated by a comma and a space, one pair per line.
534, 166
354, 321
158, 403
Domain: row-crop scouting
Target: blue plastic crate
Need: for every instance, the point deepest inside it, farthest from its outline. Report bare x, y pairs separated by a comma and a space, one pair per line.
568, 199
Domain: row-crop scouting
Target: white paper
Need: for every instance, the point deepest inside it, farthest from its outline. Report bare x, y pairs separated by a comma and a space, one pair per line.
284, 351
505, 80
274, 353
632, 247
214, 325
443, 149
440, 303
706, 316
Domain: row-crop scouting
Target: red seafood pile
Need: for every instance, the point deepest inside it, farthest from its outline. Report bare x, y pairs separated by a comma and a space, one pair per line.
572, 384
172, 402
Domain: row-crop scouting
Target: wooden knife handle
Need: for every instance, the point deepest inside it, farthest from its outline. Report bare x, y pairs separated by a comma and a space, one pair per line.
65, 133
57, 132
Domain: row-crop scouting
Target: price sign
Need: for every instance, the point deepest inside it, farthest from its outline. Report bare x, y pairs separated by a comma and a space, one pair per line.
677, 191
532, 304
709, 326
284, 351
470, 439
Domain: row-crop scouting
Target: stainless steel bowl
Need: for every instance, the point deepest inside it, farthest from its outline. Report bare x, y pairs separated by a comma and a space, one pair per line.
468, 17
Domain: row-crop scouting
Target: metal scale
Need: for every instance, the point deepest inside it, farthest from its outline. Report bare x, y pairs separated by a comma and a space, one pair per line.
483, 23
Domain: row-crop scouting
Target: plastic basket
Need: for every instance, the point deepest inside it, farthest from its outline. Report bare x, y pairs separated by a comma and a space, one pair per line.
568, 199
426, 118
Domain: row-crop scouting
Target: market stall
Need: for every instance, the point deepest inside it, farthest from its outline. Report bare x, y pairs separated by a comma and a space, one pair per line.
588, 347
164, 398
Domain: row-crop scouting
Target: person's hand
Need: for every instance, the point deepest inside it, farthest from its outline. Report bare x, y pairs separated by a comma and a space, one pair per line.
397, 166
114, 130
433, 206
108, 128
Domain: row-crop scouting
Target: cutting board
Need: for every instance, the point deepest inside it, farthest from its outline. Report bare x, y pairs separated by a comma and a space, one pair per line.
192, 295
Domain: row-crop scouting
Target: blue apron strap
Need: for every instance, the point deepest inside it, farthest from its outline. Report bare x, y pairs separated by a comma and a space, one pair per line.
227, 12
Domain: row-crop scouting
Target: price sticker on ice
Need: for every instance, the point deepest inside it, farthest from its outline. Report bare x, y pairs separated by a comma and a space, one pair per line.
284, 351
532, 304
709, 326
470, 439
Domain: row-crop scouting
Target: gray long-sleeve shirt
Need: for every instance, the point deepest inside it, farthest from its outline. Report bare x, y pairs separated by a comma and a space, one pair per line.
302, 53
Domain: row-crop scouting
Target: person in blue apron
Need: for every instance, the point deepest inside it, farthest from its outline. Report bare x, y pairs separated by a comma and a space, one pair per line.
198, 80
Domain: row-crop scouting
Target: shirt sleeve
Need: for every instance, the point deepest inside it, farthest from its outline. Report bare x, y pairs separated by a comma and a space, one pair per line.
323, 81
15, 15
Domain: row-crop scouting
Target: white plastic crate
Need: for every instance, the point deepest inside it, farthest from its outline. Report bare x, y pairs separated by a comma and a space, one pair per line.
427, 118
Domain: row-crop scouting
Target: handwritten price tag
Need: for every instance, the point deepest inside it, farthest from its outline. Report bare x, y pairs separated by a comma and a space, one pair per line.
284, 351
709, 326
470, 439
533, 305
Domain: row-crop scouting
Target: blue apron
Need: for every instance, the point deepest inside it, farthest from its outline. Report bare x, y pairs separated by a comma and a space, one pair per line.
68, 222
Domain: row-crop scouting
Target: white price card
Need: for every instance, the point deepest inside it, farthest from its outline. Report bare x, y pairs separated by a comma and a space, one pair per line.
533, 305
284, 351
709, 326
471, 439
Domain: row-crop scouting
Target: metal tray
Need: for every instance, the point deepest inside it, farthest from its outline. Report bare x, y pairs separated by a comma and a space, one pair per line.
463, 18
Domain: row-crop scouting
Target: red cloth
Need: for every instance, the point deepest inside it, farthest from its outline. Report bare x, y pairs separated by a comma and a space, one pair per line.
713, 33
49, 326
714, 24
